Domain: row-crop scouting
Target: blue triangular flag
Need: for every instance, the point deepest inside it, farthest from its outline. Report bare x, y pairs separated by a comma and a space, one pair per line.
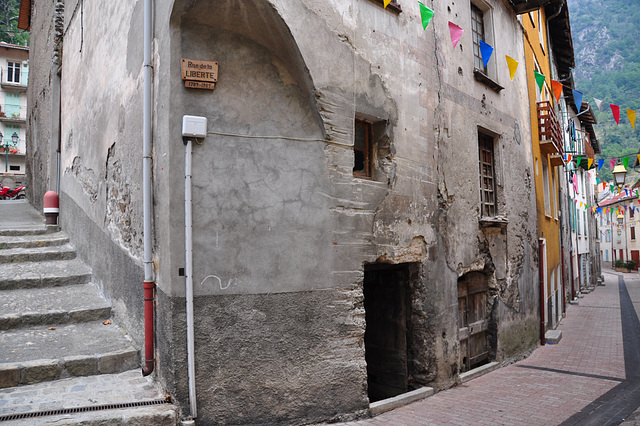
486, 51
577, 97
600, 163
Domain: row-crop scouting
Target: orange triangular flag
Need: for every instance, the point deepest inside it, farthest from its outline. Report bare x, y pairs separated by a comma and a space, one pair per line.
513, 66
557, 89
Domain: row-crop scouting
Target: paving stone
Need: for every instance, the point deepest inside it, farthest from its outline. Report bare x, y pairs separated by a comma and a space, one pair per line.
9, 375
40, 240
37, 254
116, 361
551, 385
52, 305
40, 370
43, 274
52, 335
81, 365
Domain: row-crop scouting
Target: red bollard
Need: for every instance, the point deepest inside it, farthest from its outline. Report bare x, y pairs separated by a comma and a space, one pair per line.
51, 207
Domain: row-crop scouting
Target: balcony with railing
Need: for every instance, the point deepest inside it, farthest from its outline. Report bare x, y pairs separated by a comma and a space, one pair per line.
550, 133
13, 113
11, 79
8, 148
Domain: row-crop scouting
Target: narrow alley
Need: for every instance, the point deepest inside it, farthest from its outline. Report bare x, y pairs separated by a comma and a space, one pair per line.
590, 378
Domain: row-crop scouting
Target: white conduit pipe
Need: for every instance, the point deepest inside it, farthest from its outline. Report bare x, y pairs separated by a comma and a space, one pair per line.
188, 243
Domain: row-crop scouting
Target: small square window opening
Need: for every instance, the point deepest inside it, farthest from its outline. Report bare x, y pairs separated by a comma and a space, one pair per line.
363, 149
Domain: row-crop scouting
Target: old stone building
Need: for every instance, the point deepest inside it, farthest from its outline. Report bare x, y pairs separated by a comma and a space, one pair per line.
363, 201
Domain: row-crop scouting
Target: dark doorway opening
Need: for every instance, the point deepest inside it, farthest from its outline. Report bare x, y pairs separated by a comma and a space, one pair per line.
387, 303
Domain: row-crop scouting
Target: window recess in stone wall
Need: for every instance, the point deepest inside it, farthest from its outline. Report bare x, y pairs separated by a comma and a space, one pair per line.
482, 29
363, 149
488, 198
372, 151
393, 6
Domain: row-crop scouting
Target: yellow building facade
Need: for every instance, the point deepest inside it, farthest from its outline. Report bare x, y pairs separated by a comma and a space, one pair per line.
548, 162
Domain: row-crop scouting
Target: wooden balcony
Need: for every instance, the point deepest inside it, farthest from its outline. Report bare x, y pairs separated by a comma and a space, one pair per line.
550, 133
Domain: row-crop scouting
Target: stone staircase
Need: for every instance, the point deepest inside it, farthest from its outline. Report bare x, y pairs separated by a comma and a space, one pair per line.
59, 350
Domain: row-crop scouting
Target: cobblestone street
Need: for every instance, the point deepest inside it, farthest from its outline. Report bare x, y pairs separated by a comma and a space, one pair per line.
581, 380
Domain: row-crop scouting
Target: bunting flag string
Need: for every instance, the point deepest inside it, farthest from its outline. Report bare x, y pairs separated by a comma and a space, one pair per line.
456, 33
577, 99
486, 50
632, 117
539, 79
557, 89
598, 103
425, 14
513, 66
615, 109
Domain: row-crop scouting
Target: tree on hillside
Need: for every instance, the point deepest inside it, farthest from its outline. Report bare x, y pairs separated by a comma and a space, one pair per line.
9, 31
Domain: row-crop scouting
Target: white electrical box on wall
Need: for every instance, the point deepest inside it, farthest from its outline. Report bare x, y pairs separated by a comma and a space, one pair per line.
194, 126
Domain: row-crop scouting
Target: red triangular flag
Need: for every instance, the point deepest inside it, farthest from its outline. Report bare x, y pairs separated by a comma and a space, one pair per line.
616, 112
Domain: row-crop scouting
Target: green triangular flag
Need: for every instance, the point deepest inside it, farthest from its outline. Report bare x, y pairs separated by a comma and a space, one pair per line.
540, 80
625, 162
426, 14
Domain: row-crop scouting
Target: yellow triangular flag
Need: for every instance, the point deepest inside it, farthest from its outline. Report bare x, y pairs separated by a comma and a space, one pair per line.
589, 163
632, 117
513, 66
386, 3
638, 158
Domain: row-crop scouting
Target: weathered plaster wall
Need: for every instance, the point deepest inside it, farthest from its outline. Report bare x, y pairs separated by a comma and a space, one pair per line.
282, 228
39, 161
101, 160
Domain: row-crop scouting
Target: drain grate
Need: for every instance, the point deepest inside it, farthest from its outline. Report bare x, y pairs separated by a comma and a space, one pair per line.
63, 411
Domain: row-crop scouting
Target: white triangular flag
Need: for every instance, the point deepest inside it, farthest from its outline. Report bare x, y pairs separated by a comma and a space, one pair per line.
599, 103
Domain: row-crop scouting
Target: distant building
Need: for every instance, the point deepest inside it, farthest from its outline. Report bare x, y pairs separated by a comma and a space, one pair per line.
14, 78
620, 226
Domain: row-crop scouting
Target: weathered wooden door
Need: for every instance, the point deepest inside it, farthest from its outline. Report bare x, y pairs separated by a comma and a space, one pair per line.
635, 256
473, 320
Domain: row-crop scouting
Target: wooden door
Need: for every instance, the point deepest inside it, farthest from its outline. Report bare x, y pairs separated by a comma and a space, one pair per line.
473, 320
635, 256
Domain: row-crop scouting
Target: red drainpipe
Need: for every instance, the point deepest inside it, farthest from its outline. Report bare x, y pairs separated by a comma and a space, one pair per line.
542, 325
149, 286
564, 294
579, 275
573, 285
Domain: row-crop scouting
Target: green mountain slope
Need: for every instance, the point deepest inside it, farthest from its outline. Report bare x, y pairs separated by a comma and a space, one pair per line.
605, 36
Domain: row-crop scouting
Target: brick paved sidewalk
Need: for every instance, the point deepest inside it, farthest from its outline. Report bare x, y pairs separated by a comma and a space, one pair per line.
553, 384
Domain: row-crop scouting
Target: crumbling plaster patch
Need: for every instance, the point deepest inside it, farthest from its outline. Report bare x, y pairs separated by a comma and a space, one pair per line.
86, 178
119, 220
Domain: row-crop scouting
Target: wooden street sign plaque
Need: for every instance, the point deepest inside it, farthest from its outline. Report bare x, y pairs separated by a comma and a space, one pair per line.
198, 74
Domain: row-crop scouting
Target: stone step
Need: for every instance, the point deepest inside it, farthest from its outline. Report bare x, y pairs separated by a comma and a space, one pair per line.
19, 231
43, 274
40, 240
37, 254
44, 353
52, 306
21, 405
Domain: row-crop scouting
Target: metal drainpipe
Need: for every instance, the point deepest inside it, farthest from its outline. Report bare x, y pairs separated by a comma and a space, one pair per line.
542, 307
149, 283
564, 288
